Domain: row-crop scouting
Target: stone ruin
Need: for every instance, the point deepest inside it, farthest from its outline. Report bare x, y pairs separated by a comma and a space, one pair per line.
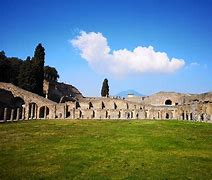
64, 101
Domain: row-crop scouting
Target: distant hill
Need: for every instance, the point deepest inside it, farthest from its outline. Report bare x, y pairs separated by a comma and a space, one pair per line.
129, 91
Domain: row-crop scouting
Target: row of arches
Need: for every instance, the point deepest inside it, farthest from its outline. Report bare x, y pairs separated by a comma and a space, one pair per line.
106, 105
191, 116
103, 114
35, 112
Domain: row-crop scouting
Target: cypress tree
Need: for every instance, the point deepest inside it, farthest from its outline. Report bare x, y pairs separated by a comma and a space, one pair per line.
105, 88
38, 61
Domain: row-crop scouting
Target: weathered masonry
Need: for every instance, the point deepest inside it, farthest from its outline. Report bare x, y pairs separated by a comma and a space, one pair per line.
17, 104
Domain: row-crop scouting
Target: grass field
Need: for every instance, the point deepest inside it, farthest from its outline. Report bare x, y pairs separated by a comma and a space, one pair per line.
91, 149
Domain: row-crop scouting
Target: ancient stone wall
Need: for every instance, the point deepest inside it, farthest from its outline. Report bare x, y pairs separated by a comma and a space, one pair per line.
18, 104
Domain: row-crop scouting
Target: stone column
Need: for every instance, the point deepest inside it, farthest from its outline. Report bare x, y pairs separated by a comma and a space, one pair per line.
5, 114
11, 115
36, 111
18, 113
44, 112
74, 113
64, 111
31, 110
23, 113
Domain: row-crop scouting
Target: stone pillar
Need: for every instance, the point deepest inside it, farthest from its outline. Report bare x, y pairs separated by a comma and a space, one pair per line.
36, 111
74, 113
33, 114
44, 112
11, 115
5, 114
23, 113
18, 114
31, 110
64, 111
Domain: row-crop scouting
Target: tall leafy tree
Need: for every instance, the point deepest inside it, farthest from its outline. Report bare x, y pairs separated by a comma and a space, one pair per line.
27, 76
50, 73
38, 61
9, 68
105, 88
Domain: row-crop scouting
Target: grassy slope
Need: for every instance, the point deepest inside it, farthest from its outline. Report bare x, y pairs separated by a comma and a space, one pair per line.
71, 149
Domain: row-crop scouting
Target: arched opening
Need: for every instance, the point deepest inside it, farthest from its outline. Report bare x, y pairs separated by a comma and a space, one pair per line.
32, 110
93, 114
1, 113
183, 116
119, 114
18, 102
168, 102
191, 116
44, 112
137, 116
77, 105
167, 116
128, 115
14, 114
90, 105
103, 105
8, 113
115, 106
186, 116
202, 117
68, 114
106, 114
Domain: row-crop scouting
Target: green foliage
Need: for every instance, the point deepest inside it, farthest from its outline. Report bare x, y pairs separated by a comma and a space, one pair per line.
9, 68
105, 88
50, 73
38, 61
92, 149
27, 76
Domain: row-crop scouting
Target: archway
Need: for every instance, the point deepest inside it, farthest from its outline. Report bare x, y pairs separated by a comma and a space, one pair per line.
191, 116
90, 105
119, 114
103, 105
18, 102
93, 114
183, 116
167, 116
1, 113
168, 102
77, 105
44, 112
115, 106
32, 110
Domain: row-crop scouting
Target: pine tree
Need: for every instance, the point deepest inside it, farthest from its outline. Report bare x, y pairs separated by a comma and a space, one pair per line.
38, 61
105, 88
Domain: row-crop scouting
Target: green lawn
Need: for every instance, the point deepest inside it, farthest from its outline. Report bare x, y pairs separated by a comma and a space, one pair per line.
90, 149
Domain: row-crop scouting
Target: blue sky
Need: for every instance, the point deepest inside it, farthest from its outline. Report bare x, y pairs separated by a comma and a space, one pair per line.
182, 29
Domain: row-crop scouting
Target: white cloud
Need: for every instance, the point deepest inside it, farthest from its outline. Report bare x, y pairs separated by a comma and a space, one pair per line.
95, 50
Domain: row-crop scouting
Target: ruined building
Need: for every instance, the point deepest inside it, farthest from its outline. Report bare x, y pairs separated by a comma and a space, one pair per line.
66, 102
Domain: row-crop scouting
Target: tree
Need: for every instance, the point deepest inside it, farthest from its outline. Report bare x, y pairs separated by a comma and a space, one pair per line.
50, 73
38, 61
9, 68
27, 76
105, 88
